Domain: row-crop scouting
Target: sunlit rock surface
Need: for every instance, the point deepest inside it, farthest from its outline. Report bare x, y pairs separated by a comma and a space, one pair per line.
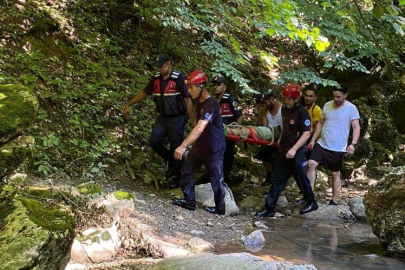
385, 210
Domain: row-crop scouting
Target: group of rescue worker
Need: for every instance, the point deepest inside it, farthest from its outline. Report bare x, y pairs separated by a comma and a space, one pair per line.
309, 135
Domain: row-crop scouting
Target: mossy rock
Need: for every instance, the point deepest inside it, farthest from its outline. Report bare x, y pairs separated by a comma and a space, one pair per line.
385, 211
15, 152
34, 235
89, 188
18, 110
122, 195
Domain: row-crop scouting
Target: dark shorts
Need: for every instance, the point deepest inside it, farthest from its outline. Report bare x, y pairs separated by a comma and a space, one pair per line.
331, 160
266, 153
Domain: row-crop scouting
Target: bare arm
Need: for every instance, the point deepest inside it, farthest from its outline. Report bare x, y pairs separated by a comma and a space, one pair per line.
356, 135
317, 131
136, 99
190, 112
192, 137
239, 120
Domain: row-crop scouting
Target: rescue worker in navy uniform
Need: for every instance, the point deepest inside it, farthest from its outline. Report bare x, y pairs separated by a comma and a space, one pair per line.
208, 148
230, 114
172, 102
291, 158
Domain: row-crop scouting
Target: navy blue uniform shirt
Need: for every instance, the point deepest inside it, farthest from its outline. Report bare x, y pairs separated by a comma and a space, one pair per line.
295, 122
212, 138
169, 94
229, 110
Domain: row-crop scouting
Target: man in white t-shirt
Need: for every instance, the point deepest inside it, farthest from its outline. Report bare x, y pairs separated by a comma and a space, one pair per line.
270, 115
336, 118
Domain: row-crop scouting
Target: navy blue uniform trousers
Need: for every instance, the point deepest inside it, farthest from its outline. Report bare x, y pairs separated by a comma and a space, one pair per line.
283, 168
229, 158
213, 162
172, 127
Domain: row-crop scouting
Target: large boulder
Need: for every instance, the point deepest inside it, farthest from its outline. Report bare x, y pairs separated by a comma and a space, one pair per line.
385, 210
205, 196
18, 109
34, 235
225, 262
331, 212
15, 152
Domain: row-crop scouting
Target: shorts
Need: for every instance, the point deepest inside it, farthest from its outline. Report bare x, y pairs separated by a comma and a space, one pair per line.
266, 153
331, 160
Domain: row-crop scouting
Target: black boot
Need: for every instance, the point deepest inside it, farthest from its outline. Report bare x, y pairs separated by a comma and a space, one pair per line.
311, 205
185, 204
266, 212
213, 210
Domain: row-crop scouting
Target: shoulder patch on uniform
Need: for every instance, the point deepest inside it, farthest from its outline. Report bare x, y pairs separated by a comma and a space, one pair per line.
307, 122
234, 104
157, 75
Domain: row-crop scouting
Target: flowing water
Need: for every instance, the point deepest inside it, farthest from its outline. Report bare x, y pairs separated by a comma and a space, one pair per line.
327, 245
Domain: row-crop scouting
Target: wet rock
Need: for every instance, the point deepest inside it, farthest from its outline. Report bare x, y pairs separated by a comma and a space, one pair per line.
198, 245
34, 234
357, 207
385, 210
260, 226
205, 196
255, 238
330, 212
18, 110
230, 261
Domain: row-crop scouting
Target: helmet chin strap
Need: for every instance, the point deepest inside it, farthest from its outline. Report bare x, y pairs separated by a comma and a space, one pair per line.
199, 96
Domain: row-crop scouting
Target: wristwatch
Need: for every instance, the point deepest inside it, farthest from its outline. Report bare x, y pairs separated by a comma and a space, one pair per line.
354, 144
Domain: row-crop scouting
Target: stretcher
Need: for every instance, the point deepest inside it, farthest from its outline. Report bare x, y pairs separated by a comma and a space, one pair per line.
251, 134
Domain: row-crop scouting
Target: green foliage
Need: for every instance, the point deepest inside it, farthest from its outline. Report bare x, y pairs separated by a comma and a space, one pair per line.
304, 75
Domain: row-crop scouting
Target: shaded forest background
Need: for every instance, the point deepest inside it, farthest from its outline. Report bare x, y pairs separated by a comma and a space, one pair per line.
85, 59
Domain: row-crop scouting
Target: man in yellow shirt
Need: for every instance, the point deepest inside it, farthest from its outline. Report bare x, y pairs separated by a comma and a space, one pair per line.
313, 109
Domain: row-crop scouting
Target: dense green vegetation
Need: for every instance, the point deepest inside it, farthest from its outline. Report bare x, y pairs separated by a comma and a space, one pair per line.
85, 59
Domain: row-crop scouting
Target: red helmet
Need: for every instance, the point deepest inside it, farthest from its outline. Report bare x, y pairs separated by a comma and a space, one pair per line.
292, 91
196, 77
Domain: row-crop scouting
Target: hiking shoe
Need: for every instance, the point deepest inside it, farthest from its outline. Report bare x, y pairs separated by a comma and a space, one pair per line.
309, 207
302, 201
213, 210
332, 203
267, 182
266, 213
185, 204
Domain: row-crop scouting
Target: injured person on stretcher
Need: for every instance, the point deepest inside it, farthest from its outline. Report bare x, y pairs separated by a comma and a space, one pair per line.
252, 134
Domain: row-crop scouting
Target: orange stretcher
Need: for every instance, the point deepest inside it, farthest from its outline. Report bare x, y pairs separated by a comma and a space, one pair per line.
251, 140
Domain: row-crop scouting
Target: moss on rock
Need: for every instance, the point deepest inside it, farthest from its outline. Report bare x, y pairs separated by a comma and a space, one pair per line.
18, 109
34, 235
15, 152
385, 211
89, 188
122, 195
